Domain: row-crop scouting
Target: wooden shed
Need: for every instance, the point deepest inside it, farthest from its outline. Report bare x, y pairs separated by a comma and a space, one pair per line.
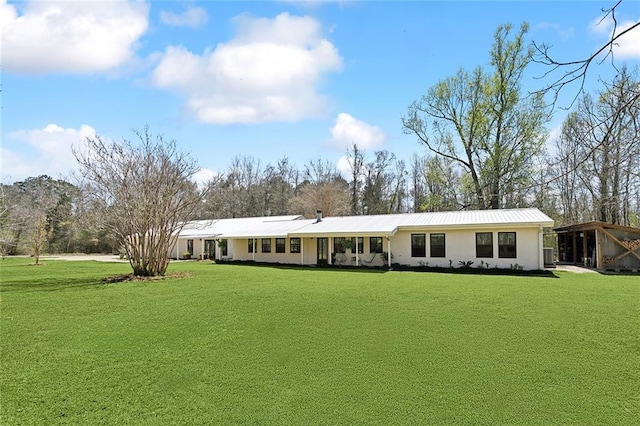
600, 245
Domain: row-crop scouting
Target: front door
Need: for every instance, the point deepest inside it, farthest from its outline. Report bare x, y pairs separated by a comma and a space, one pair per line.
210, 249
323, 251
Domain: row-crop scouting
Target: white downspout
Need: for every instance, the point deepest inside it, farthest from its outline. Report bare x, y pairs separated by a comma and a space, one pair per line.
540, 248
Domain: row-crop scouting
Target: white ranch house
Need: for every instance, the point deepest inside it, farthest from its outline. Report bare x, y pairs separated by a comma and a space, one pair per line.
497, 238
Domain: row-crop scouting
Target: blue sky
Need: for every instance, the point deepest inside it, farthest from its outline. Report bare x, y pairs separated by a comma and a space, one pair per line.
264, 79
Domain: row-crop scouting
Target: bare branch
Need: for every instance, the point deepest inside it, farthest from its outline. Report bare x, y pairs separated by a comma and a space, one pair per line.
576, 71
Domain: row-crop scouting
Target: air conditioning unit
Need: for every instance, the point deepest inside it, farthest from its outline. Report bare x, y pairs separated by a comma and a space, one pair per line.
548, 257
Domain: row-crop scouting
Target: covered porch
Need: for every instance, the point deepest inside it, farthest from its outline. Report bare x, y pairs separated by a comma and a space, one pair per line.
348, 241
600, 245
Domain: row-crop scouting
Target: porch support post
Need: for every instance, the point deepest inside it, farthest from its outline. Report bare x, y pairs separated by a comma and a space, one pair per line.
330, 256
598, 248
388, 252
255, 243
357, 257
585, 250
301, 251
574, 247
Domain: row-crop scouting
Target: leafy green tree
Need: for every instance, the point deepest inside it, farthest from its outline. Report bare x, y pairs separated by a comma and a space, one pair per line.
482, 121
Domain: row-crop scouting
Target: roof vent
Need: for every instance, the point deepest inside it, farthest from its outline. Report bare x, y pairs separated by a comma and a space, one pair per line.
318, 216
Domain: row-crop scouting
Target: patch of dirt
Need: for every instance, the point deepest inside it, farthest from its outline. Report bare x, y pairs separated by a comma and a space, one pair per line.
123, 278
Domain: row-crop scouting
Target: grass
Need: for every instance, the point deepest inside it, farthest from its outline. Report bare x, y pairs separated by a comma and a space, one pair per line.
238, 344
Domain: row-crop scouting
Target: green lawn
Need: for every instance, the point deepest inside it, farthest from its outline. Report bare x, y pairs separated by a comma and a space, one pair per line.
245, 344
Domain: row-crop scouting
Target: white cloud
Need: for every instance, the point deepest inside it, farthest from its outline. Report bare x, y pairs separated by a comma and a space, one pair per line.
268, 72
552, 138
627, 46
70, 36
42, 151
192, 17
564, 33
348, 130
344, 167
204, 176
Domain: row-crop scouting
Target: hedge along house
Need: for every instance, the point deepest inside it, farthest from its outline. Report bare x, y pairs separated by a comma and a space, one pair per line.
495, 238
600, 245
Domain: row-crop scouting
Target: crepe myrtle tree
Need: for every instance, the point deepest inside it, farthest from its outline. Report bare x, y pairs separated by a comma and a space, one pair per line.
145, 192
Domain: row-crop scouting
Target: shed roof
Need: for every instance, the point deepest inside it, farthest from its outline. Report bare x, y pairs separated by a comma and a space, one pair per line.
594, 224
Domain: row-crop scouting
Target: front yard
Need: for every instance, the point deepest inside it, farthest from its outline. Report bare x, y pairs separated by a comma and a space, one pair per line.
247, 344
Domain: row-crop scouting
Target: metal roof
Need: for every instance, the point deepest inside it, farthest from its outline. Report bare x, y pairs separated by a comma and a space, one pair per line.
466, 218
297, 226
350, 225
216, 228
272, 229
391, 223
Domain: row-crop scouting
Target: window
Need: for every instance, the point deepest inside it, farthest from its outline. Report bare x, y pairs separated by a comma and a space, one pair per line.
437, 245
266, 245
418, 245
375, 244
338, 245
190, 247
250, 245
294, 245
484, 244
507, 245
223, 247
281, 246
360, 245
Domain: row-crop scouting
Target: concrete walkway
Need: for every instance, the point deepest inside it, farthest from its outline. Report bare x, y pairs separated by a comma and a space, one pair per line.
573, 268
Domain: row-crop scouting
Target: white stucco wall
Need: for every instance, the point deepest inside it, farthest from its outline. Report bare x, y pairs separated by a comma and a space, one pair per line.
460, 245
241, 252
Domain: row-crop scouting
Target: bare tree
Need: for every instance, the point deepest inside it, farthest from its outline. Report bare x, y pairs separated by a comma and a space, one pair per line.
330, 197
442, 185
39, 235
320, 171
356, 159
36, 214
418, 188
383, 184
564, 73
145, 192
598, 154
8, 240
